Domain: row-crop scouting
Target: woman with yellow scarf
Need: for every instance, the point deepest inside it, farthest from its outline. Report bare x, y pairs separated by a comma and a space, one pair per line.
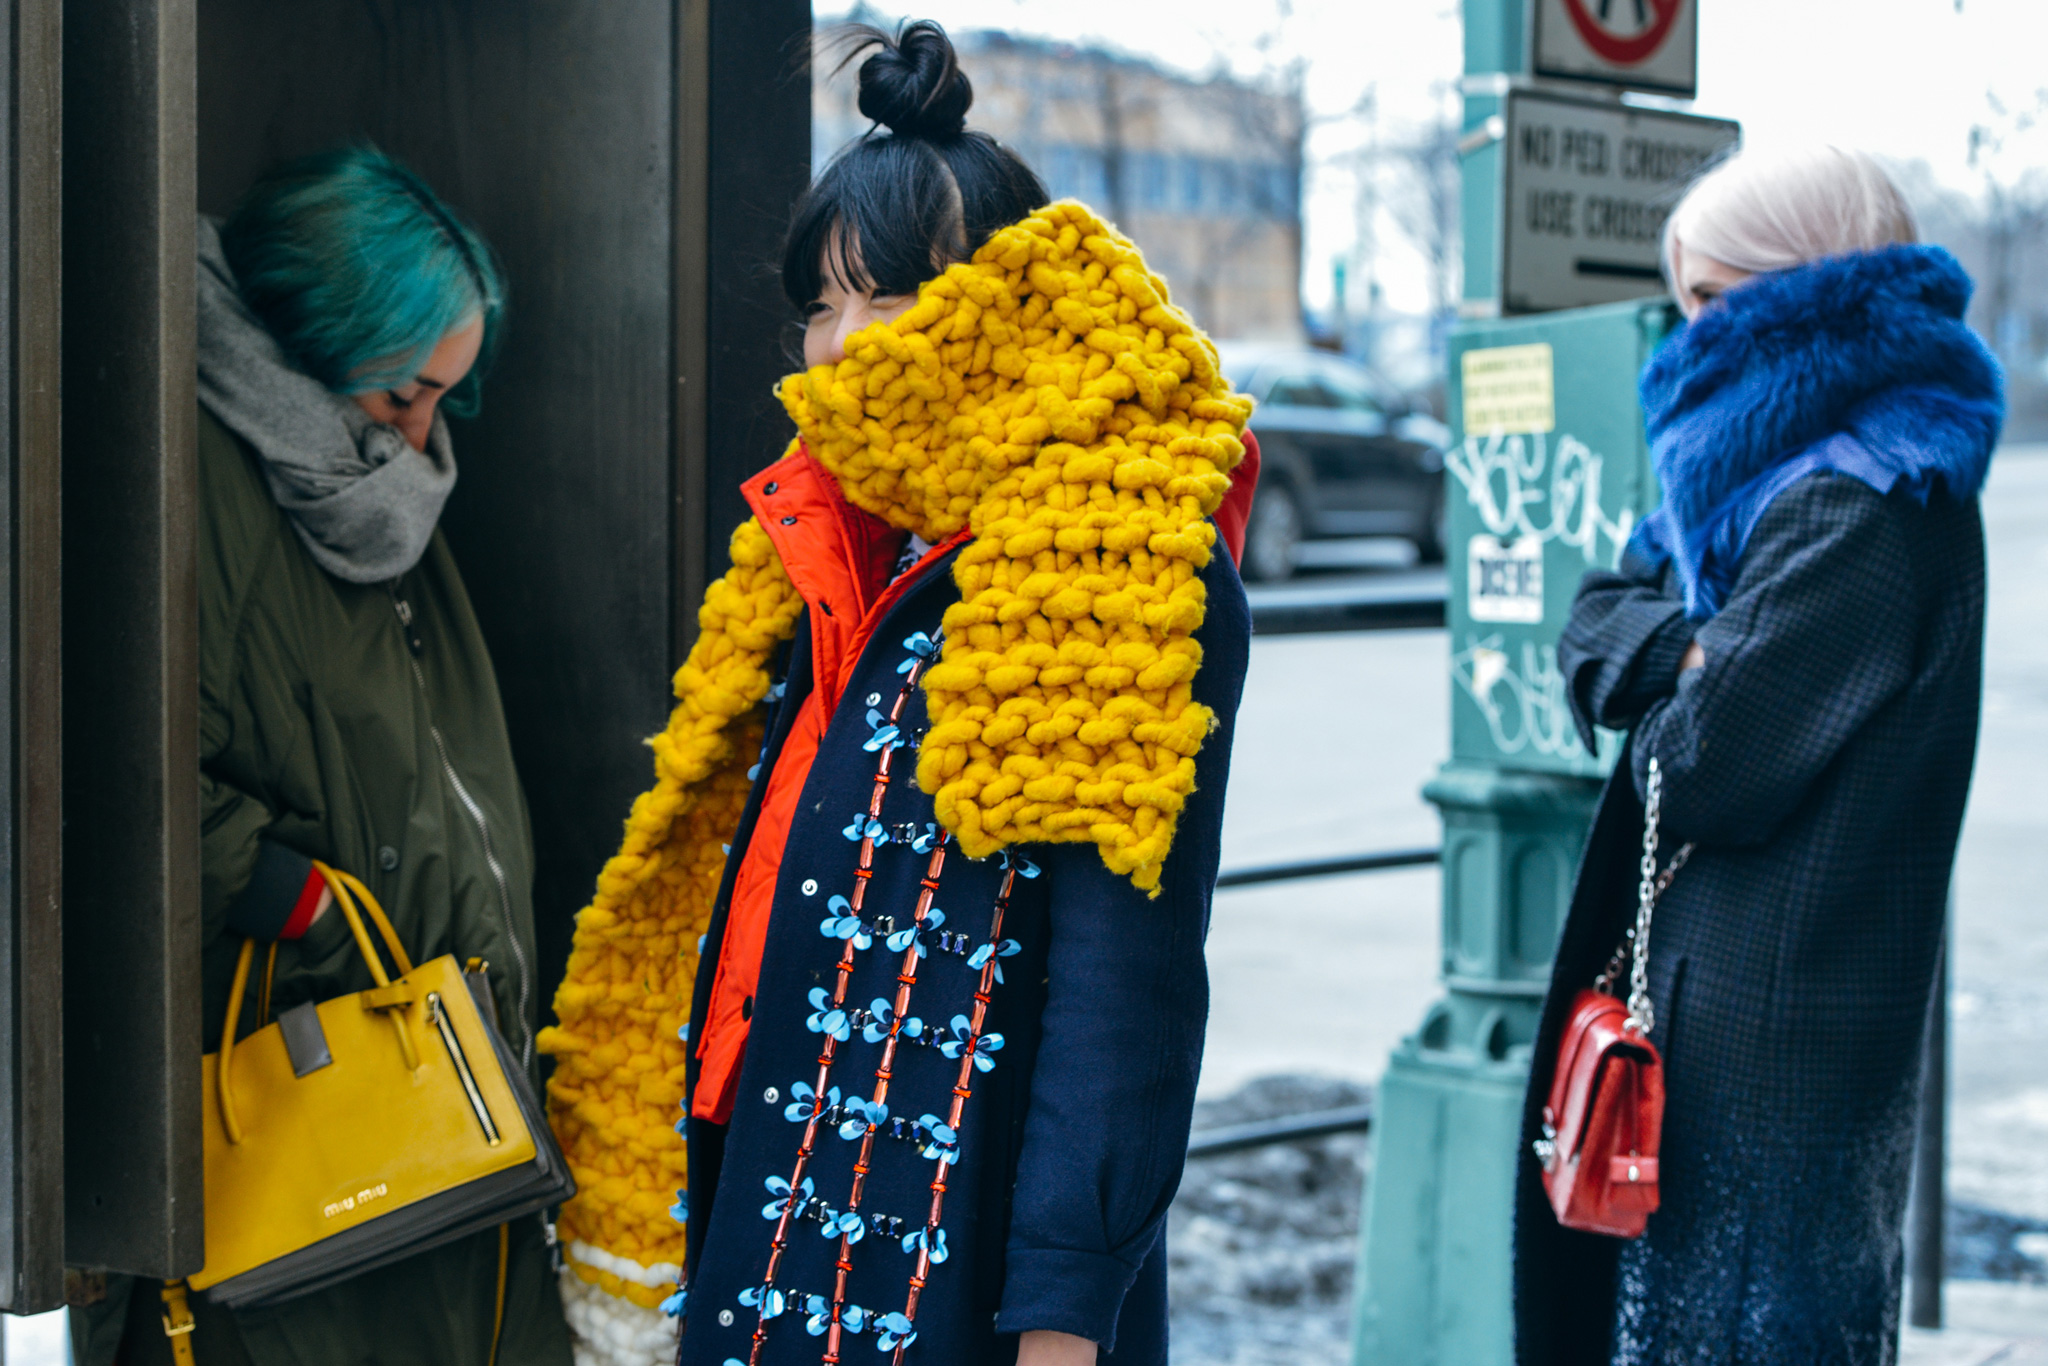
900, 964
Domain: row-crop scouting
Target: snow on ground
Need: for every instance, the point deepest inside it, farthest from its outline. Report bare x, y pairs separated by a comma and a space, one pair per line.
36, 1340
1261, 1243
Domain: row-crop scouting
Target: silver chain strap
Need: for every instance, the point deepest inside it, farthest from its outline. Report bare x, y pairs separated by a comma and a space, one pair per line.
1642, 1015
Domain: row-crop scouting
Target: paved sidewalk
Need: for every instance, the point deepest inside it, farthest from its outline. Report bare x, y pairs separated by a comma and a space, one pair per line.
1990, 1323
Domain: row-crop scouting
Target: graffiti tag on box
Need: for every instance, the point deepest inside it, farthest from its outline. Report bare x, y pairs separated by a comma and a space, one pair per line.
1534, 485
1532, 492
1524, 707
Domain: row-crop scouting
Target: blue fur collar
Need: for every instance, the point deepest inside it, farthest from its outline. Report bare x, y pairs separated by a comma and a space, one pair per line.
1859, 364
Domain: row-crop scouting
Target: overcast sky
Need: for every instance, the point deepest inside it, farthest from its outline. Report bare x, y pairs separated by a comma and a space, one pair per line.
1905, 78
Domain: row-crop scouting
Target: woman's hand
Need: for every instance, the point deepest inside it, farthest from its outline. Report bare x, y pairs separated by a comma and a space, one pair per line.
1695, 658
1042, 1348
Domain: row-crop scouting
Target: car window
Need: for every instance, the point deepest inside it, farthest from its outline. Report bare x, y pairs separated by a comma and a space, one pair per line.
1302, 391
1350, 391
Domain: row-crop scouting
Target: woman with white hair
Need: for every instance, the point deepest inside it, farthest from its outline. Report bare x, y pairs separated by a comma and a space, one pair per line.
1793, 640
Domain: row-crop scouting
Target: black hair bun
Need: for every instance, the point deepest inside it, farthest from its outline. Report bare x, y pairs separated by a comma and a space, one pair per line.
914, 86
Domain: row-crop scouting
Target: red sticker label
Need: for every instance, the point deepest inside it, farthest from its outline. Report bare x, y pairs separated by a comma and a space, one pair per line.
1654, 20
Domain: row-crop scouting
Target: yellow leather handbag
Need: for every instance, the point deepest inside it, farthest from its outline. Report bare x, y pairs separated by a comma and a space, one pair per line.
361, 1130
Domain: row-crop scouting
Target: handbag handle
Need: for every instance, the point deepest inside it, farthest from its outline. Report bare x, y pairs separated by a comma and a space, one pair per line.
1642, 1014
223, 1088
387, 998
342, 884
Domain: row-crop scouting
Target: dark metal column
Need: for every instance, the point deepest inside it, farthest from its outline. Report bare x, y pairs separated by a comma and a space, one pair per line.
691, 549
133, 1162
1927, 1208
31, 940
756, 159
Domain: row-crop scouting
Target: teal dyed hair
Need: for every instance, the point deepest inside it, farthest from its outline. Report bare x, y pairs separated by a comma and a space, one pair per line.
358, 270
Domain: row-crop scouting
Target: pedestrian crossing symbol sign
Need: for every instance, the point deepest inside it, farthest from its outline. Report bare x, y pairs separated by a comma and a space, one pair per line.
1635, 44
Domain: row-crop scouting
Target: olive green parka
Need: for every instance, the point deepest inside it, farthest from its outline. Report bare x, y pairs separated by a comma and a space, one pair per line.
359, 725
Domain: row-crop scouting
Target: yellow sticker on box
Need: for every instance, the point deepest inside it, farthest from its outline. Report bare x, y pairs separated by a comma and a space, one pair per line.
1509, 390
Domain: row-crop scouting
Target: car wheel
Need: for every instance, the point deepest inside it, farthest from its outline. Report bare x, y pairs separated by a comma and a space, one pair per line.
1436, 529
1272, 535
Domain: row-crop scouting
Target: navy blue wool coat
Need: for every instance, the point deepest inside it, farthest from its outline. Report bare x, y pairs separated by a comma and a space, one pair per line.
1820, 759
1072, 1140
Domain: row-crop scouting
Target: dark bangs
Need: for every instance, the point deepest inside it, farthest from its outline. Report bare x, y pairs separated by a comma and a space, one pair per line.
898, 210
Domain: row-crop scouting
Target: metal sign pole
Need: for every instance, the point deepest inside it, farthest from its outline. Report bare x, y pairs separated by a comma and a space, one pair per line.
1546, 478
1927, 1210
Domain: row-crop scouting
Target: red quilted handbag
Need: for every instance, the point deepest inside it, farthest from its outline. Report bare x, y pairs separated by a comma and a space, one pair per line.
1604, 1118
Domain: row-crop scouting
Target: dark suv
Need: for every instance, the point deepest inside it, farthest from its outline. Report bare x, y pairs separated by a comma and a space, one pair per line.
1342, 454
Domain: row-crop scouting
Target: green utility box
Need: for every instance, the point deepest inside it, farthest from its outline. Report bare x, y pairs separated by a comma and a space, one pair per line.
1549, 472
1548, 475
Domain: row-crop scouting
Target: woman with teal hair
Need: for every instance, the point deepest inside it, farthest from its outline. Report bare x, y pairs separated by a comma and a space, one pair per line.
348, 709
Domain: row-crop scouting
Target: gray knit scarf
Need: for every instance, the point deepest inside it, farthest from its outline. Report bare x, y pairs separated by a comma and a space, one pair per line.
364, 502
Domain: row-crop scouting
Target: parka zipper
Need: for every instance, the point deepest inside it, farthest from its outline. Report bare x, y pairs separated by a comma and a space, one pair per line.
415, 647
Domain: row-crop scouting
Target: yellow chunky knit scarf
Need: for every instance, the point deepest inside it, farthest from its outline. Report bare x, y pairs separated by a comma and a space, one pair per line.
1048, 396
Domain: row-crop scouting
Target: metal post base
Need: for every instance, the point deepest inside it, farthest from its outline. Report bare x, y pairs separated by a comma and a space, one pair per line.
1434, 1270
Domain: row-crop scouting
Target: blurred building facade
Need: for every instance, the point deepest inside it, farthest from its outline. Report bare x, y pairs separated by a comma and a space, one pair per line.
2000, 235
1205, 174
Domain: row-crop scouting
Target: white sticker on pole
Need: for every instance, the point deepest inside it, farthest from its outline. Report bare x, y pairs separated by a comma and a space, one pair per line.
1635, 44
1505, 579
1508, 390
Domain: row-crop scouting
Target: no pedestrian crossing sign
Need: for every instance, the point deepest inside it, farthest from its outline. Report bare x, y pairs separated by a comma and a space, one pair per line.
1586, 187
1635, 44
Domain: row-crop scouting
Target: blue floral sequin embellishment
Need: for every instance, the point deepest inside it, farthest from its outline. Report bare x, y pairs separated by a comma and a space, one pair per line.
842, 923
848, 1225
1008, 948
766, 1298
787, 1198
805, 1102
862, 1115
885, 732
941, 1140
827, 1018
866, 827
884, 1014
894, 1327
912, 934
934, 1241
852, 1317
963, 1039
